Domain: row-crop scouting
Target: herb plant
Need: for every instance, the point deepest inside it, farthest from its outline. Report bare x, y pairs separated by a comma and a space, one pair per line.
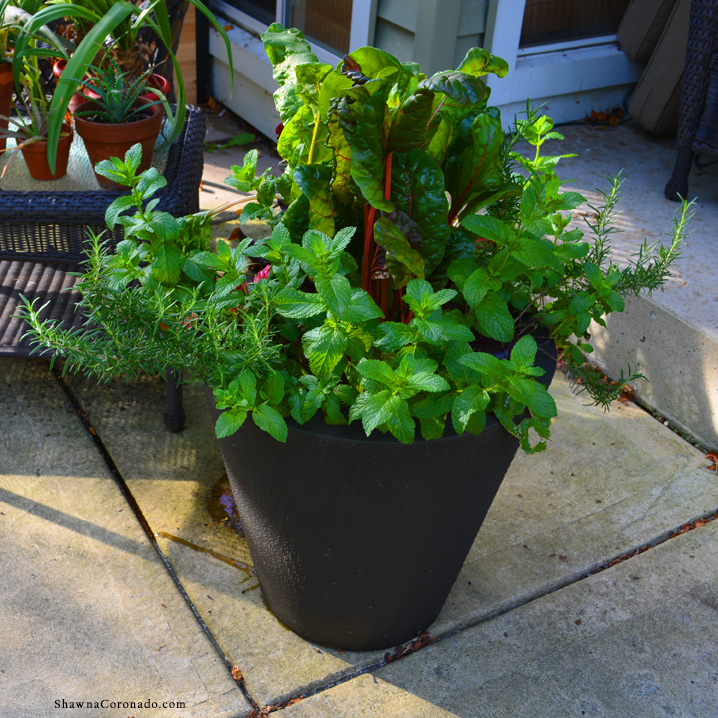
409, 265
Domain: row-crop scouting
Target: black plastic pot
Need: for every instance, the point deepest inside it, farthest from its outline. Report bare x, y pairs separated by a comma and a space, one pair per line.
357, 541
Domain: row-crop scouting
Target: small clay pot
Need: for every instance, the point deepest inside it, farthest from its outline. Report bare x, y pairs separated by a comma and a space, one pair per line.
6, 88
104, 140
36, 157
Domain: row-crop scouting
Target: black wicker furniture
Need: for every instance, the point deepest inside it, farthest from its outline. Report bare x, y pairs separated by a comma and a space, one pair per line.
41, 243
698, 120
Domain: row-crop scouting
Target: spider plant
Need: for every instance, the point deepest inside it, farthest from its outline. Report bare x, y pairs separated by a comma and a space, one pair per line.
19, 29
115, 28
31, 124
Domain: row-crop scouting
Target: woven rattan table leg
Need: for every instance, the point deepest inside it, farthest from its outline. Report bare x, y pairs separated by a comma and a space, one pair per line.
174, 416
677, 186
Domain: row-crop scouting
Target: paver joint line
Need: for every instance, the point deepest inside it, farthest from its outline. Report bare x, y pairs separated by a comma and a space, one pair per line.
125, 490
426, 640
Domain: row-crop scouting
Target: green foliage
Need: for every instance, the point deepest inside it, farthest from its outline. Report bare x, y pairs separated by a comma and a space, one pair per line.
391, 325
118, 95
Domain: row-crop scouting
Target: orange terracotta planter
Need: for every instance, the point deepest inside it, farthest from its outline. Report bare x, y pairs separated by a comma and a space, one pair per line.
36, 157
103, 140
6, 89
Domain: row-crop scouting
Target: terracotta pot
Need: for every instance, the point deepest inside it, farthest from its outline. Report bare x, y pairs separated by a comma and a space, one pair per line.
84, 93
104, 140
36, 157
77, 99
5, 95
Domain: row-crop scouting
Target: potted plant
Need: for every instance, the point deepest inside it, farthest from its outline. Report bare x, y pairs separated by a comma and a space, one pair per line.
114, 27
117, 118
19, 27
392, 347
30, 127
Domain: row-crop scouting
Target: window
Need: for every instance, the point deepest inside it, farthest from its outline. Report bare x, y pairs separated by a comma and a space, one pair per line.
263, 10
549, 21
326, 22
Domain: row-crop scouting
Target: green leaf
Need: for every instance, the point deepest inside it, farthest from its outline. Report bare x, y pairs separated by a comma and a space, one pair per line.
243, 177
417, 189
463, 89
298, 131
409, 122
296, 218
335, 291
315, 182
541, 403
367, 145
399, 420
484, 363
433, 407
166, 264
461, 373
479, 62
472, 399
342, 182
371, 409
472, 158
270, 420
362, 308
396, 335
324, 349
388, 235
248, 386
524, 351
295, 304
376, 63
477, 285
494, 318
286, 50
377, 370
229, 421
113, 211
310, 78
488, 227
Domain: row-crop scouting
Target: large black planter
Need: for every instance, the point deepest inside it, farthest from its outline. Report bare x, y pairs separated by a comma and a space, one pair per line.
357, 541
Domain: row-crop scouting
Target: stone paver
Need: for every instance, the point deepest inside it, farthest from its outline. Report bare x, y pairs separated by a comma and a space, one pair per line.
87, 609
607, 483
635, 640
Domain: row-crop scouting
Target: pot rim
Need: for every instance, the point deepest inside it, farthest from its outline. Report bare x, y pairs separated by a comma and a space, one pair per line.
63, 140
156, 110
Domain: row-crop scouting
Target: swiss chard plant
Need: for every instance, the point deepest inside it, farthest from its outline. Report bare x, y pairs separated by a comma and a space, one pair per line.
415, 254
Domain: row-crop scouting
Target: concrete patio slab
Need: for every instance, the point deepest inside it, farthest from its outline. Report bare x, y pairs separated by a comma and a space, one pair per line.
607, 484
635, 640
89, 612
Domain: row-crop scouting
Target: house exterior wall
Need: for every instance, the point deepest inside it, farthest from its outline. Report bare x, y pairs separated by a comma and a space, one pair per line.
572, 79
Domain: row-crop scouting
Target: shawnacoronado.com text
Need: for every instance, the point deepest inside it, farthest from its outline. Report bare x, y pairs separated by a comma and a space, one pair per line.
62, 703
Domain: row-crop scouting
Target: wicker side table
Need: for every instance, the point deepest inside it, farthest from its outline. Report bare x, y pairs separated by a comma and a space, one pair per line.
698, 119
42, 238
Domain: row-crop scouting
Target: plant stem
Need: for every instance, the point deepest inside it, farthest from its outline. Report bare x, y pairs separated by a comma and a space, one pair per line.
314, 140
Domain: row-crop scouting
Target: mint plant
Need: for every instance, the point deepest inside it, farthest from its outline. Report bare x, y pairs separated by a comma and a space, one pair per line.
414, 254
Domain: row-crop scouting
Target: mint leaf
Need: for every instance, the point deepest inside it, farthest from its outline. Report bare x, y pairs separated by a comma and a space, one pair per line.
229, 421
335, 291
271, 421
541, 403
295, 304
524, 351
494, 318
